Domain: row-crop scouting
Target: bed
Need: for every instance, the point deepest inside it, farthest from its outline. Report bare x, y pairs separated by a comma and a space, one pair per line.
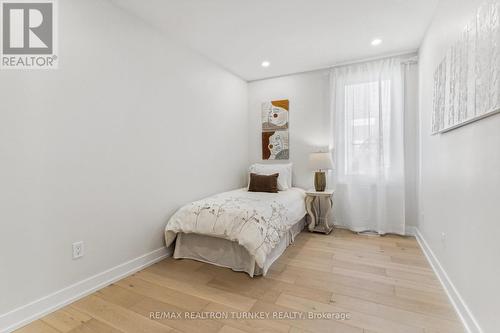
242, 230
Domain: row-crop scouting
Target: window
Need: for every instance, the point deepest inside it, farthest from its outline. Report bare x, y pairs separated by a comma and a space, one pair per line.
367, 125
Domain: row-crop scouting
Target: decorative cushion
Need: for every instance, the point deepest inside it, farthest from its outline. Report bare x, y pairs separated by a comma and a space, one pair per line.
263, 183
284, 171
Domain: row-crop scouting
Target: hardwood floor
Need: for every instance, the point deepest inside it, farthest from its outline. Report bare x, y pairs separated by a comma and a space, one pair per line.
383, 284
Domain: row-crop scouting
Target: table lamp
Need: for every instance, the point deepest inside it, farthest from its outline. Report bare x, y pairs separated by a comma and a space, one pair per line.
320, 162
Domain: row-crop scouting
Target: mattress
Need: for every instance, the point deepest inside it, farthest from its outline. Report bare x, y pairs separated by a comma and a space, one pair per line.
230, 254
256, 221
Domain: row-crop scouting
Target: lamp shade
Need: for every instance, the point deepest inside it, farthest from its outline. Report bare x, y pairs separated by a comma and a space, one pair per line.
320, 161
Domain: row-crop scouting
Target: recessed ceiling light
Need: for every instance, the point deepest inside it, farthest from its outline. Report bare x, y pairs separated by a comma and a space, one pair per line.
376, 41
265, 63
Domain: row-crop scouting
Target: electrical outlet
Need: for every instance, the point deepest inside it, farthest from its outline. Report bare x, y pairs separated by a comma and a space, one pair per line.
78, 250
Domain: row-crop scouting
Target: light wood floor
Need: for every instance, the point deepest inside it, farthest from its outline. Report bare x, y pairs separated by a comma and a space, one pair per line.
383, 283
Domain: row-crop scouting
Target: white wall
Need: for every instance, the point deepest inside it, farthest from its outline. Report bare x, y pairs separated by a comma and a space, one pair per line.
107, 147
310, 124
460, 182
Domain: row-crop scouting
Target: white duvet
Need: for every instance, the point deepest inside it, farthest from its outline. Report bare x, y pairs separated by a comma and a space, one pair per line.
256, 220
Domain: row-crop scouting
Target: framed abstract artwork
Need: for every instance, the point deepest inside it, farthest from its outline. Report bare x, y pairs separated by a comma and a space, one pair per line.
467, 81
275, 145
275, 139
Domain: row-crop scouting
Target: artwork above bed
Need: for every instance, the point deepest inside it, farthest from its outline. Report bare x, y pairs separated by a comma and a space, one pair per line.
467, 81
275, 139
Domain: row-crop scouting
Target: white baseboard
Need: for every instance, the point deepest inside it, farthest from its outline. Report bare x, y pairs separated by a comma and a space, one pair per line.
468, 320
25, 314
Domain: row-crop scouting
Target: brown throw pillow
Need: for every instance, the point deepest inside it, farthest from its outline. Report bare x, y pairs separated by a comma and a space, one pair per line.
263, 183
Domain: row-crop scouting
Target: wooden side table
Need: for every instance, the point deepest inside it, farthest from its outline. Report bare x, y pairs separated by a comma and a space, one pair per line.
319, 220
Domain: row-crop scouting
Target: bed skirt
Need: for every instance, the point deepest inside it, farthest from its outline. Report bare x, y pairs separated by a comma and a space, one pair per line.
225, 253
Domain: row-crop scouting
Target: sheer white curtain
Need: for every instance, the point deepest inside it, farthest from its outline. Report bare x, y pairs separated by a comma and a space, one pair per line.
368, 141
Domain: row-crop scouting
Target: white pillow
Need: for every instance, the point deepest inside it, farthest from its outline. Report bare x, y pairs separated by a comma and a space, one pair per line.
284, 170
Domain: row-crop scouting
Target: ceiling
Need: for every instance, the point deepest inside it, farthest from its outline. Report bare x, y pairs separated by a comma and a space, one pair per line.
293, 35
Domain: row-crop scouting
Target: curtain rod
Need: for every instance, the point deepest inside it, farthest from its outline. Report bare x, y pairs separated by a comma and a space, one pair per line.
410, 60
413, 59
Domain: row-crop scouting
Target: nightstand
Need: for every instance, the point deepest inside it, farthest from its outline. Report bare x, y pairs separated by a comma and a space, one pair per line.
319, 218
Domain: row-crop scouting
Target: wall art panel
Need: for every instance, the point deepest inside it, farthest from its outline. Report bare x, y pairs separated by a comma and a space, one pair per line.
467, 81
275, 140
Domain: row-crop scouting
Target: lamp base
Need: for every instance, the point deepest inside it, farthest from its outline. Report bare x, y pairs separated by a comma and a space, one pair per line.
320, 181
